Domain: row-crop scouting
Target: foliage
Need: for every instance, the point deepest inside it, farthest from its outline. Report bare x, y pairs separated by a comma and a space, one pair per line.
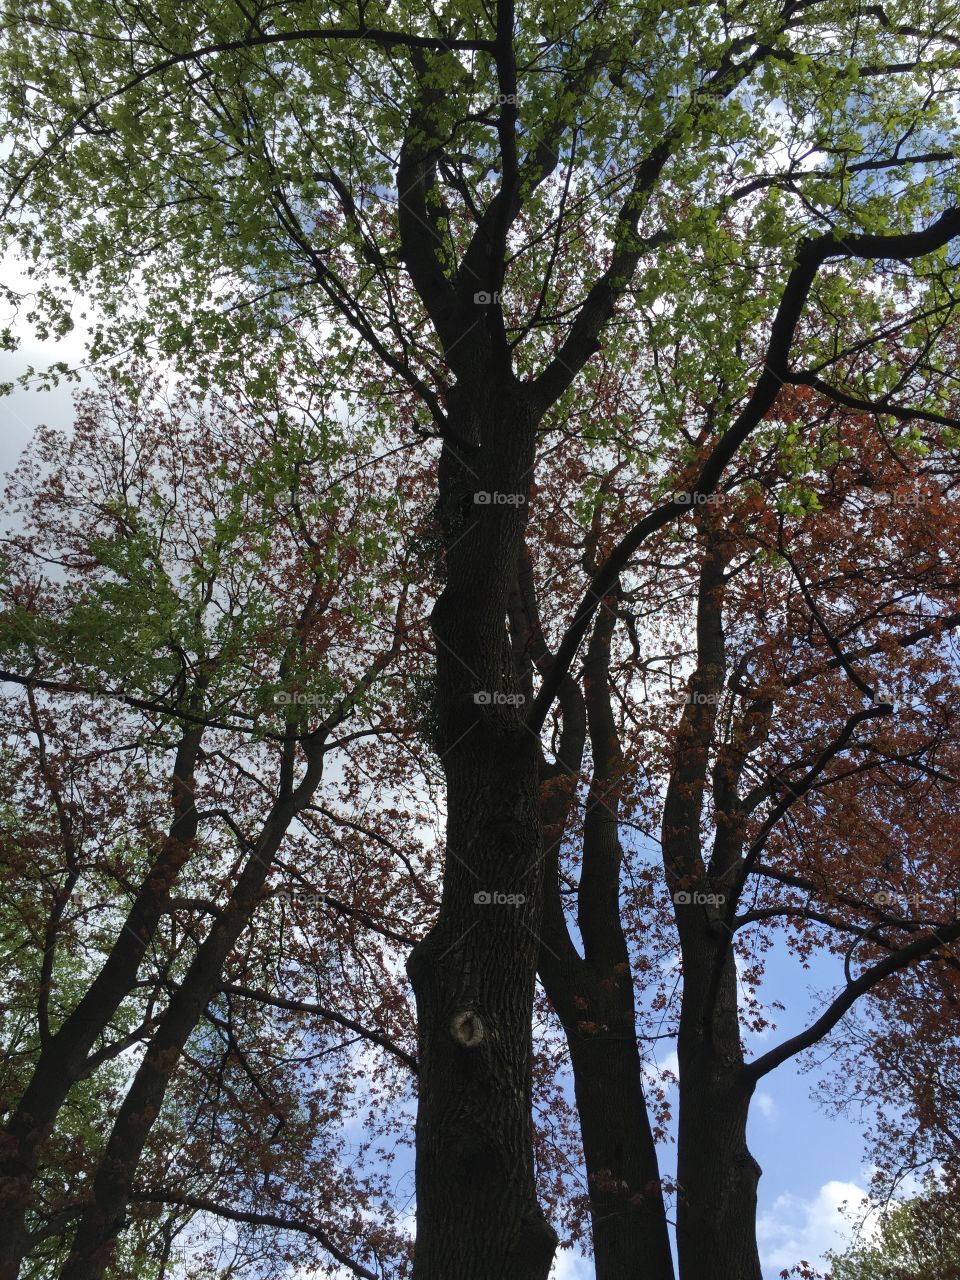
916, 1240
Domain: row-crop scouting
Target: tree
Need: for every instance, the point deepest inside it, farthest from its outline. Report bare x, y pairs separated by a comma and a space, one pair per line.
483, 205
888, 534
917, 1240
857, 853
170, 716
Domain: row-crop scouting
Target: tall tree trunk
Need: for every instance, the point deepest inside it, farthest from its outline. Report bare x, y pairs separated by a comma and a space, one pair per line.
717, 1175
473, 975
629, 1216
593, 996
629, 1225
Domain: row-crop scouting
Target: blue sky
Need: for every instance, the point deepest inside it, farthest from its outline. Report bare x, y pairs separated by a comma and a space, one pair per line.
811, 1162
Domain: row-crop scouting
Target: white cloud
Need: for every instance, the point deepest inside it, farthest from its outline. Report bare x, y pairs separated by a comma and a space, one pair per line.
766, 1106
568, 1265
794, 1228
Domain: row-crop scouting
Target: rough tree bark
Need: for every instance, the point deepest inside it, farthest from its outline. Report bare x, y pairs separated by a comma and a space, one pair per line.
473, 974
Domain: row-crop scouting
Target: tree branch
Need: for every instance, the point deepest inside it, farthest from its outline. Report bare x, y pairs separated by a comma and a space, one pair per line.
810, 257
329, 1015
202, 1205
852, 992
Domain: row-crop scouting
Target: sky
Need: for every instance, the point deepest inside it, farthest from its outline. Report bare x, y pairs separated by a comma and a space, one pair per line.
811, 1163
26, 409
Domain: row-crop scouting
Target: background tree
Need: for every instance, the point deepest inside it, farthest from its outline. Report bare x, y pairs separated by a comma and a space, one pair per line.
858, 848
170, 708
916, 1240
884, 498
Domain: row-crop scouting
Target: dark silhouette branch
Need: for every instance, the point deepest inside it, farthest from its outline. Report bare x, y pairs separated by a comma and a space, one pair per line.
884, 968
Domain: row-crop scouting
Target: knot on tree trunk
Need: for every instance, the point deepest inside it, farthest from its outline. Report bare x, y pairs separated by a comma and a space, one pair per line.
466, 1028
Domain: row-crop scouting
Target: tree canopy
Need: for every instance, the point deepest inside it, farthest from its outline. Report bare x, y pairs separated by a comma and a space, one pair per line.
564, 456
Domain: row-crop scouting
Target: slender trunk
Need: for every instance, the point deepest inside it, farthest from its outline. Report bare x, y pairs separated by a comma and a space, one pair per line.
63, 1056
631, 1239
473, 975
630, 1236
101, 1223
593, 997
717, 1175
103, 1219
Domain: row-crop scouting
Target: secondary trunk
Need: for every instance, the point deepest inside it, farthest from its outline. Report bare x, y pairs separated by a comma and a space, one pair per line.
595, 1005
593, 996
630, 1236
717, 1175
